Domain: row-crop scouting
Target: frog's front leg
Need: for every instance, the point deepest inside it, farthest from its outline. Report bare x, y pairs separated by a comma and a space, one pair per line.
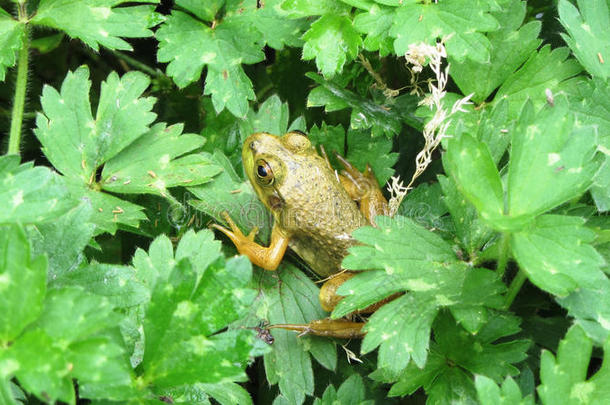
363, 188
268, 258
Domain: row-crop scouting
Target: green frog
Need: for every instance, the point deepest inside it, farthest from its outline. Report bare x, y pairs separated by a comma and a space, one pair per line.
315, 210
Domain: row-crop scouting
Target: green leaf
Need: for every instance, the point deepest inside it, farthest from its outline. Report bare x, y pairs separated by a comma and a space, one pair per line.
470, 164
189, 45
382, 119
119, 132
205, 11
351, 391
556, 254
42, 367
184, 317
456, 354
509, 394
11, 40
591, 309
121, 285
376, 24
108, 211
510, 46
362, 149
564, 377
472, 232
332, 41
272, 117
416, 261
587, 31
465, 20
543, 70
73, 141
63, 240
105, 24
151, 164
22, 283
289, 363
30, 194
306, 8
69, 342
551, 160
70, 315
276, 29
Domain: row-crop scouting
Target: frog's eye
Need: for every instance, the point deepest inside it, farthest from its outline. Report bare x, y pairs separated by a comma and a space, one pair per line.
264, 173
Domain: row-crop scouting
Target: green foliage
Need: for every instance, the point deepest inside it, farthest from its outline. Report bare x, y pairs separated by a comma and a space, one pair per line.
113, 291
587, 33
135, 158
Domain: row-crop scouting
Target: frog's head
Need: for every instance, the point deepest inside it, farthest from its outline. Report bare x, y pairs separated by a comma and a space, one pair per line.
268, 159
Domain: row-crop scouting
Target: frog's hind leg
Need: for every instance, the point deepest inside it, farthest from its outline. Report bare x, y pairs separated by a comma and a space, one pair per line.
364, 189
337, 328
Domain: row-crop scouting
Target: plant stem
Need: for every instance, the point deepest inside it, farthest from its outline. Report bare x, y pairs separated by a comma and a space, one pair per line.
14, 139
514, 288
503, 254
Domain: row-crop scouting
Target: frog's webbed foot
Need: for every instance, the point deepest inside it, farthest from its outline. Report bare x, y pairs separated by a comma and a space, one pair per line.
363, 188
268, 258
337, 328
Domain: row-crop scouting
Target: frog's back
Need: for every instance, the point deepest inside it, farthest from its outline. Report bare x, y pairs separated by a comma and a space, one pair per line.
318, 215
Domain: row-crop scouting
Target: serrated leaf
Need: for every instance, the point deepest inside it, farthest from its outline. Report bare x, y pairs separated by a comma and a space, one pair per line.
470, 164
332, 41
289, 363
455, 354
564, 377
472, 232
587, 28
510, 46
70, 315
108, 211
556, 254
184, 316
272, 117
277, 30
22, 283
121, 285
206, 11
351, 391
42, 367
416, 261
306, 8
77, 144
376, 24
362, 149
105, 24
382, 119
227, 393
509, 394
591, 309
151, 164
551, 160
189, 45
31, 194
63, 240
543, 70
464, 19
11, 40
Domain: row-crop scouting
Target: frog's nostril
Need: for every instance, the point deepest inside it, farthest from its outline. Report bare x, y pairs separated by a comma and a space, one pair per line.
252, 145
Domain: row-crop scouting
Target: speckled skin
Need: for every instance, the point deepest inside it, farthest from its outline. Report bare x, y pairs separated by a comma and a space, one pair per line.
308, 203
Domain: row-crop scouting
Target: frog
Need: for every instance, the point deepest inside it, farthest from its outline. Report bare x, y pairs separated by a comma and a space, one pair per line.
315, 209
